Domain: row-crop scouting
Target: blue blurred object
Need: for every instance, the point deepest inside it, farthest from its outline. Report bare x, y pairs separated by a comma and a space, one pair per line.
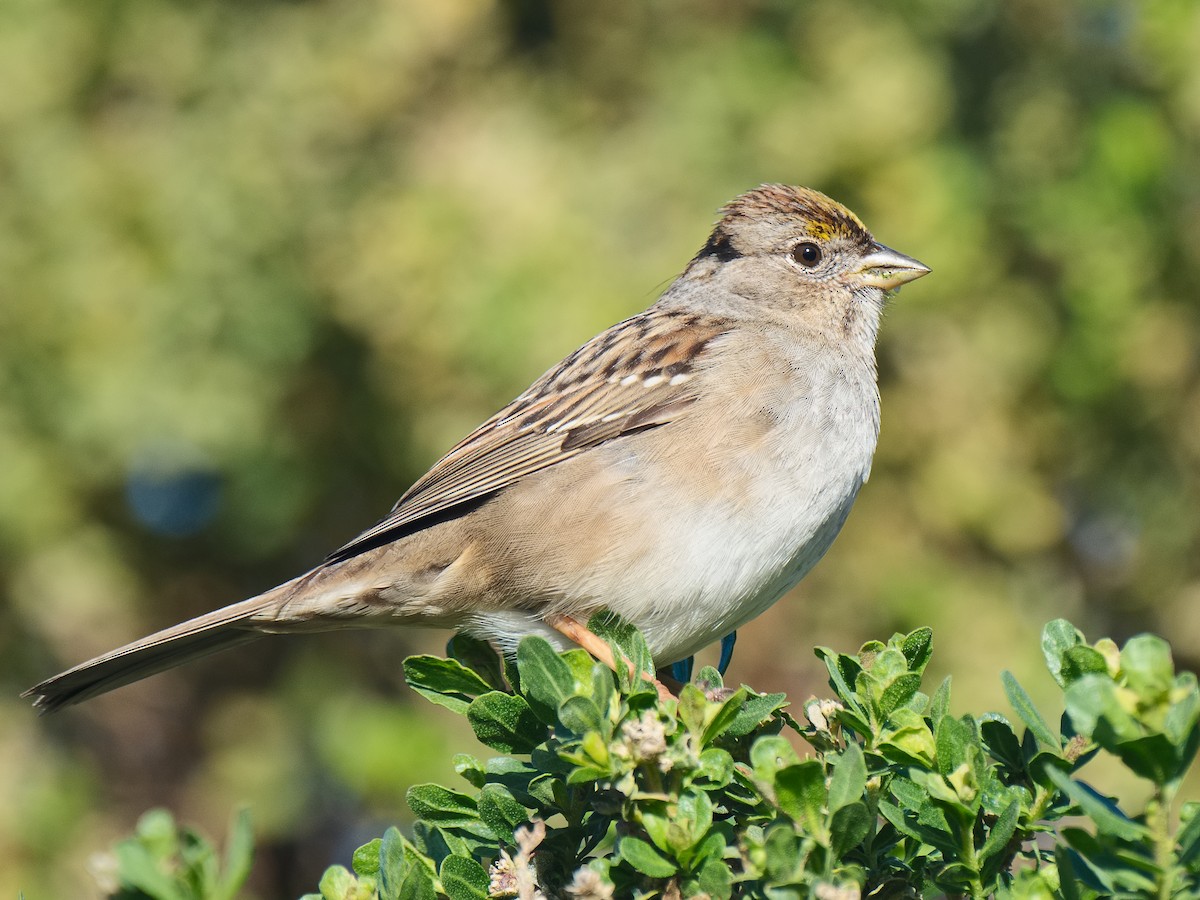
171, 490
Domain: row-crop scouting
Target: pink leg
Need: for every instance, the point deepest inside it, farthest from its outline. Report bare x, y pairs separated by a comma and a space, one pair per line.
574, 630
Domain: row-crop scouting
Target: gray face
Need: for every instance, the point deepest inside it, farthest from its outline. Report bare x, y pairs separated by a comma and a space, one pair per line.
776, 239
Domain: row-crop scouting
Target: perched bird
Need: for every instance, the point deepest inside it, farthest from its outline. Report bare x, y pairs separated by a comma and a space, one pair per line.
682, 469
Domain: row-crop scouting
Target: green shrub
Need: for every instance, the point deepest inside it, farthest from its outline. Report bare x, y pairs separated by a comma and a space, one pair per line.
603, 790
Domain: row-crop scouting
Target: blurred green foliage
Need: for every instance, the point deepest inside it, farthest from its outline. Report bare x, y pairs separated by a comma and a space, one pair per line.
262, 262
162, 861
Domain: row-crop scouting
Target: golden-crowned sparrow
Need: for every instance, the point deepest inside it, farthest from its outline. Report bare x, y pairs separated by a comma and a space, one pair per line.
683, 469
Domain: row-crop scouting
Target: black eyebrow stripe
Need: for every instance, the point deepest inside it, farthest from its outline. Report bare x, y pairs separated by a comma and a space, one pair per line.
720, 247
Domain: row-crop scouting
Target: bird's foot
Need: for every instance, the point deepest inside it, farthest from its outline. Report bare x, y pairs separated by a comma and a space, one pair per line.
574, 630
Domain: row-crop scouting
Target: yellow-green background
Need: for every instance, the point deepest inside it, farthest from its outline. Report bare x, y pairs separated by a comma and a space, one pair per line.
295, 250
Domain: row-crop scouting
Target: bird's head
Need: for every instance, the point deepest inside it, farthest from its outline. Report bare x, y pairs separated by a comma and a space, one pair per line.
793, 246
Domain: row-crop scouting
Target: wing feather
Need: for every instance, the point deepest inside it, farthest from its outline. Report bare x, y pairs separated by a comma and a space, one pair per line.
635, 375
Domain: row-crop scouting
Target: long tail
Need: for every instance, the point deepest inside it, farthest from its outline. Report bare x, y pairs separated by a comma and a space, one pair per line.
157, 652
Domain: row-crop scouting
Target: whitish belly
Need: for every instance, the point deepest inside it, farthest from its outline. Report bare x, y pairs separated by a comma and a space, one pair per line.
731, 577
696, 541
701, 572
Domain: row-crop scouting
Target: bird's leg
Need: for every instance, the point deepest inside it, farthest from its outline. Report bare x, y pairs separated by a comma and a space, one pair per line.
727, 643
681, 671
574, 630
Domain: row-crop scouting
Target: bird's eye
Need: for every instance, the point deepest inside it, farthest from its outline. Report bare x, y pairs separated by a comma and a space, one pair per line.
807, 254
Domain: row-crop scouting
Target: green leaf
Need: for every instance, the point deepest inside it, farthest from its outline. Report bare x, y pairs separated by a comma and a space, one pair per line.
138, 869
580, 715
714, 879
769, 754
393, 864
954, 739
1104, 812
1001, 742
1080, 661
712, 846
1188, 836
547, 758
1095, 699
1153, 757
446, 682
581, 665
501, 812
909, 793
716, 765
239, 855
915, 828
590, 758
445, 808
917, 799
1183, 715
1001, 832
512, 674
847, 827
709, 680
604, 690
939, 705
158, 834
645, 858
546, 680
800, 794
470, 769
849, 778
626, 641
464, 879
907, 740
755, 711
479, 656
547, 794
898, 692
505, 722
654, 815
717, 718
336, 884
707, 719
1147, 666
857, 722
917, 647
997, 795
1024, 707
1069, 883
843, 672
1097, 867
442, 842
365, 860
692, 703
941, 790
1041, 763
515, 775
693, 816
782, 853
403, 874
1058, 637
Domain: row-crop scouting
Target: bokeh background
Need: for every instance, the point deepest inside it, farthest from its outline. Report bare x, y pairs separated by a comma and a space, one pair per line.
262, 262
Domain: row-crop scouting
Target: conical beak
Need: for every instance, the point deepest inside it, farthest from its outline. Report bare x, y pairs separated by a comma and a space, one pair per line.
887, 269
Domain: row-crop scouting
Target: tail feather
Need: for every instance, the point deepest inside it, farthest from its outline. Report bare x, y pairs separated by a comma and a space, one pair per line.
155, 653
